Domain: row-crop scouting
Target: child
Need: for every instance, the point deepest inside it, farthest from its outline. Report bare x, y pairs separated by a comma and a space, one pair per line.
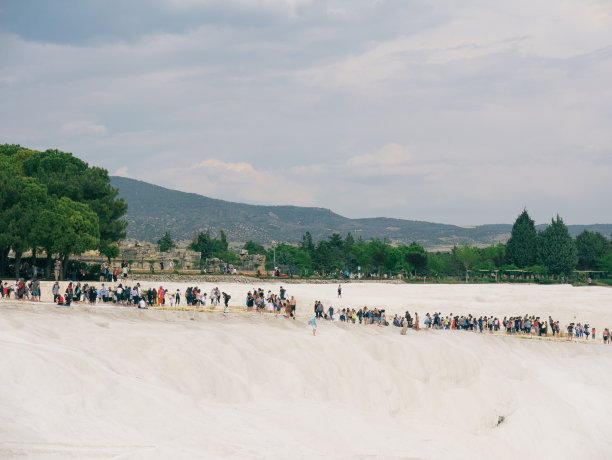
593, 333
313, 322
226, 299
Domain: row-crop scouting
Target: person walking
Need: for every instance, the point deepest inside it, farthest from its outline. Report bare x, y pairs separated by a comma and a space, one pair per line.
55, 291
56, 270
313, 323
292, 304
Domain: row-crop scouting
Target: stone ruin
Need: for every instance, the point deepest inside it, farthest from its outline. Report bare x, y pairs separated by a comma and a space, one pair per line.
141, 255
182, 259
248, 263
253, 262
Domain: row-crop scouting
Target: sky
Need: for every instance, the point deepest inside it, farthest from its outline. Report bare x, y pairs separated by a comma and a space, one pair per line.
454, 111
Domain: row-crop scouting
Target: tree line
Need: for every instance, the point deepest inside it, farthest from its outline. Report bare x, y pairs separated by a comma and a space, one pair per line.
54, 202
551, 251
57, 203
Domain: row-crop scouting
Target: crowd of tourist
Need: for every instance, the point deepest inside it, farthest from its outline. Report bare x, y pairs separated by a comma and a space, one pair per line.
526, 325
21, 290
110, 273
363, 315
280, 303
269, 302
135, 295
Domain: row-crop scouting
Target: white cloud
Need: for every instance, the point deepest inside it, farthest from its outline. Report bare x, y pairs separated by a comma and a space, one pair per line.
390, 154
288, 7
81, 127
460, 112
242, 170
122, 171
541, 30
239, 182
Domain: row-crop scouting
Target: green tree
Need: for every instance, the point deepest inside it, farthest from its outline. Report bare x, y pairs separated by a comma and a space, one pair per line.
21, 200
521, 249
350, 262
437, 263
28, 200
111, 251
10, 149
416, 256
359, 252
349, 241
302, 260
284, 254
556, 248
227, 256
222, 244
467, 256
396, 261
204, 245
46, 196
67, 176
496, 254
78, 229
605, 263
10, 185
47, 231
213, 247
329, 254
166, 243
591, 246
254, 248
377, 255
307, 244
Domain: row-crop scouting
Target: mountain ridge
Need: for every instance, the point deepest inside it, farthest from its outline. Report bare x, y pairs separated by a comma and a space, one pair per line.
153, 209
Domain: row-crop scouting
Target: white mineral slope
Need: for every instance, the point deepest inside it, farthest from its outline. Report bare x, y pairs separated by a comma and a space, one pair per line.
114, 382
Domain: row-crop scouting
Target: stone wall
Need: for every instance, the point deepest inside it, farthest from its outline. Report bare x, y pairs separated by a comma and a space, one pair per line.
248, 263
182, 259
141, 255
253, 263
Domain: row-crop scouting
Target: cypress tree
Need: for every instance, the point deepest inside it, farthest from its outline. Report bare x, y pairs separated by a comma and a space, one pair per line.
557, 249
166, 243
521, 249
591, 246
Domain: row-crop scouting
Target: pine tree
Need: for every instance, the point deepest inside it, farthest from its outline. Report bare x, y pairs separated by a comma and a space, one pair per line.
557, 249
521, 249
307, 244
166, 243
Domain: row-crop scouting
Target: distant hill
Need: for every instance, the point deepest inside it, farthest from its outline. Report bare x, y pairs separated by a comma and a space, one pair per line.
153, 210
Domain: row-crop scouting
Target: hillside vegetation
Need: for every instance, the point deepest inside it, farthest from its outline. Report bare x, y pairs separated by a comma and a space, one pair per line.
153, 210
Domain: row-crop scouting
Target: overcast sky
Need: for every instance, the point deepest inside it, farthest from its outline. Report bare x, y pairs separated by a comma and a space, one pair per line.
450, 111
